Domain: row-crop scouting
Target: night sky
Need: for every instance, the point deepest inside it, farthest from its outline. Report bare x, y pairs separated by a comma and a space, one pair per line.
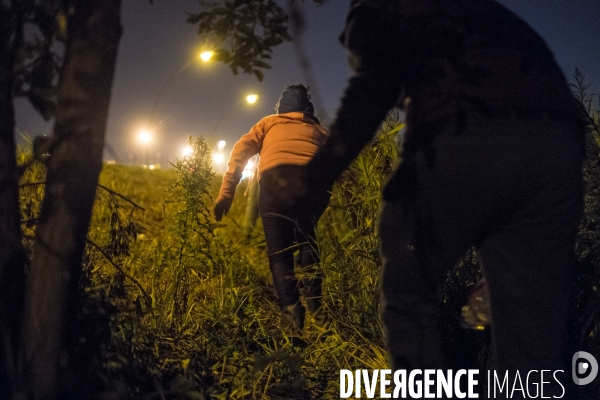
207, 99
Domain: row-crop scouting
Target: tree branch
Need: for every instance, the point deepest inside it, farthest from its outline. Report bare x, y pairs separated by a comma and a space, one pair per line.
120, 269
121, 196
99, 185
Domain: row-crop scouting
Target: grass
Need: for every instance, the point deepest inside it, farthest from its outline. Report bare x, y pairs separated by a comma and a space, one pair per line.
176, 306
184, 324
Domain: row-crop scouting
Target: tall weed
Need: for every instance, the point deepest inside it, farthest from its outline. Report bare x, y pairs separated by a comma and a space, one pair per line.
175, 306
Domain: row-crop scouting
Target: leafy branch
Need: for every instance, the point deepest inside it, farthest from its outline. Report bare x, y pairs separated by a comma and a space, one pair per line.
244, 33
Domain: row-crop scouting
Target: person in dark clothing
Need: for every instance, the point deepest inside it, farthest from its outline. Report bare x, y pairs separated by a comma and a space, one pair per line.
491, 158
285, 141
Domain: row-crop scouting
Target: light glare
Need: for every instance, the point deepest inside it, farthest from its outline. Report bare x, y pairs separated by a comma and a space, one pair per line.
248, 170
207, 55
144, 136
218, 158
187, 151
251, 98
221, 144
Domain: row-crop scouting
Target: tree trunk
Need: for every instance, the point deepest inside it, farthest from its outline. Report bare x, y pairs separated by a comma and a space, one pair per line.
94, 30
12, 259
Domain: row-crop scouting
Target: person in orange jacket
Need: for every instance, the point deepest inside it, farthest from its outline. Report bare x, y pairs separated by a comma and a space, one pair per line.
286, 141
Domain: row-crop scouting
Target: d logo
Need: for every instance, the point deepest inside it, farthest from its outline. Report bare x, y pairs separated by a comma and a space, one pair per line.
579, 367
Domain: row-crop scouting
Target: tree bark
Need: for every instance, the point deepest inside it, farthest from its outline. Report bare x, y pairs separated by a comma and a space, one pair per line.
12, 258
84, 89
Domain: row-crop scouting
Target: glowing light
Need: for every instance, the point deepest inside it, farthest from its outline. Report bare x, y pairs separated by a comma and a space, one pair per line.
151, 167
187, 151
251, 98
221, 144
218, 158
207, 55
144, 136
248, 170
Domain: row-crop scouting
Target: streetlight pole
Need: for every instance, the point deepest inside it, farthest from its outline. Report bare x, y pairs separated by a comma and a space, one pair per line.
150, 128
204, 56
250, 99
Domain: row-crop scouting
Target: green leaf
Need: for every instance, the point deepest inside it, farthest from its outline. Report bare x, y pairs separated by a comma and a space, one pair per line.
219, 11
262, 64
258, 74
222, 55
250, 28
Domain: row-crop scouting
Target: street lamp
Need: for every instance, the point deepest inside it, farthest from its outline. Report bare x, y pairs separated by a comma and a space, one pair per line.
207, 55
187, 151
251, 98
218, 158
145, 136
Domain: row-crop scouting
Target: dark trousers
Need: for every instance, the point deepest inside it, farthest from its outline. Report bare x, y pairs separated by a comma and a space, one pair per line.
514, 191
288, 229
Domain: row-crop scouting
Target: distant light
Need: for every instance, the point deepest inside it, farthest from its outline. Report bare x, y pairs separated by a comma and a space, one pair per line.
251, 98
207, 55
218, 158
248, 170
187, 151
151, 167
221, 144
145, 136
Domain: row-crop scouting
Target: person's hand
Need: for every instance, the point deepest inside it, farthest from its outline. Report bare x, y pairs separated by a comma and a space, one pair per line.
222, 206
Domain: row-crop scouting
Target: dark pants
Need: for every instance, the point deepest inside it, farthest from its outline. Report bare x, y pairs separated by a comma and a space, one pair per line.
288, 229
514, 191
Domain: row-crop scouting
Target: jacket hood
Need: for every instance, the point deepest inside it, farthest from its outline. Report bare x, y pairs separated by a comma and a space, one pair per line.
295, 98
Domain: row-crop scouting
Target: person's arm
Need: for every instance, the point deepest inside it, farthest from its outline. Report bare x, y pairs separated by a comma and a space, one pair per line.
372, 91
242, 151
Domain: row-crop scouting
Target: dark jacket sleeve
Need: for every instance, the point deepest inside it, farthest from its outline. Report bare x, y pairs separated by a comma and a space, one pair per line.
371, 92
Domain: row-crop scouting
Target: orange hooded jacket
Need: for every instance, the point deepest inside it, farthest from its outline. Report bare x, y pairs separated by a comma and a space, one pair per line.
290, 138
